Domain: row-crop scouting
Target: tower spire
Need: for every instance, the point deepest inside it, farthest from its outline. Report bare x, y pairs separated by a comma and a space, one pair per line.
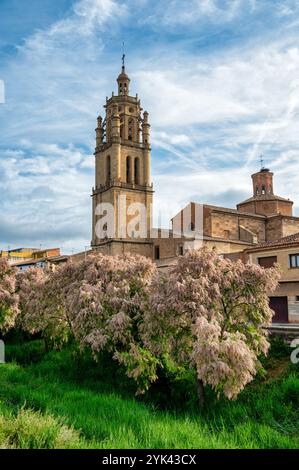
123, 59
123, 79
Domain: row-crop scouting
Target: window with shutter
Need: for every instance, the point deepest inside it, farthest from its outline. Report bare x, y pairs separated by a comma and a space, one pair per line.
267, 261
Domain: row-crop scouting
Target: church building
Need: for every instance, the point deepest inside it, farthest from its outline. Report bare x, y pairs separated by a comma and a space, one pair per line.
122, 173
123, 188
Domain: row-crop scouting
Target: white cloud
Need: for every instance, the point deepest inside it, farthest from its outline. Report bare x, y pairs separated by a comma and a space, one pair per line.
261, 82
87, 17
98, 12
46, 196
175, 13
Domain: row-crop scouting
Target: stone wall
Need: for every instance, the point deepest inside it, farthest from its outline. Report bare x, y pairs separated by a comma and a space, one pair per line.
274, 229
118, 247
290, 226
293, 309
224, 225
266, 205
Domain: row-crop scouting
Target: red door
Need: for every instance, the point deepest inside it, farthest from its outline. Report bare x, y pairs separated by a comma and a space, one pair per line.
280, 307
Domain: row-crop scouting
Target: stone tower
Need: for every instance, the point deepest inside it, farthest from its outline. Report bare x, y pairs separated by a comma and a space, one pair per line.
264, 201
122, 175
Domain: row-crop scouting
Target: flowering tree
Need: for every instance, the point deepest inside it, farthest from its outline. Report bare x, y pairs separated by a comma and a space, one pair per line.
98, 302
8, 297
43, 300
208, 314
30, 284
107, 308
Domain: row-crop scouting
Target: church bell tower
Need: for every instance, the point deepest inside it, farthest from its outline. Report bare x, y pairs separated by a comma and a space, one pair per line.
122, 175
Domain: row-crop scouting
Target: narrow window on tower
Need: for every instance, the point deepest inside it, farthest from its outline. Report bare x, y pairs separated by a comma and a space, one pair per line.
131, 129
136, 171
108, 169
128, 177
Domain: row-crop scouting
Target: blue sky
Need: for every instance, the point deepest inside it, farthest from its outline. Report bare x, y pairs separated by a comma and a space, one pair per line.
220, 80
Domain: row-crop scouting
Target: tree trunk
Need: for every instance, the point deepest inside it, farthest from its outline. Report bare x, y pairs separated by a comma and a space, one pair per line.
47, 345
200, 393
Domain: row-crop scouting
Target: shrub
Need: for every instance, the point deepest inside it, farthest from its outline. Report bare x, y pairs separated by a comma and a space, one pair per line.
32, 430
8, 298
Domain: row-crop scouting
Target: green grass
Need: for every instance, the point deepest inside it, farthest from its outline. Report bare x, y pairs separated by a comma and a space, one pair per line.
94, 406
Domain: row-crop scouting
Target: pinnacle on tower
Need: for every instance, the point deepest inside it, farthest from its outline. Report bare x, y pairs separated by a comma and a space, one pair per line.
123, 79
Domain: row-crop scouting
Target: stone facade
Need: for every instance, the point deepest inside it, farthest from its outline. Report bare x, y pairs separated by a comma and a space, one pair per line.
122, 176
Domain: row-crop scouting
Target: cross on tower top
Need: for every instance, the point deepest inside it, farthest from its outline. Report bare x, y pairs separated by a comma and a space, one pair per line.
123, 56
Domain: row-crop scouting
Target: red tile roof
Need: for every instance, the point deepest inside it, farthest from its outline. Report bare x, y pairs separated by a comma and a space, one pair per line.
291, 240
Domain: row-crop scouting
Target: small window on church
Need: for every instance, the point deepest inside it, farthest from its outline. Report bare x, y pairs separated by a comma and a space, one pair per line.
131, 129
108, 169
157, 252
131, 110
136, 171
128, 169
263, 190
181, 250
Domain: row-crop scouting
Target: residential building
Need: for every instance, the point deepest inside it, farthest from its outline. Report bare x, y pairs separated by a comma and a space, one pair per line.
285, 252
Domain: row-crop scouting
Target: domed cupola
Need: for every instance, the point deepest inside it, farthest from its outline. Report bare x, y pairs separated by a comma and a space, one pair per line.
123, 82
